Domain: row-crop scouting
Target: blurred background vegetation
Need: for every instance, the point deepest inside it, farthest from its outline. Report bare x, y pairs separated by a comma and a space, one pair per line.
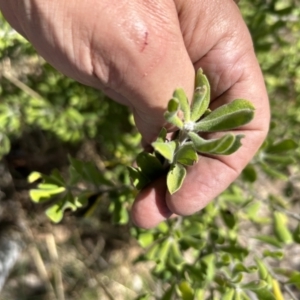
54, 126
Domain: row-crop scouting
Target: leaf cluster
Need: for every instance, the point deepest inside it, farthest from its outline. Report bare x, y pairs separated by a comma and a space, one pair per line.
173, 157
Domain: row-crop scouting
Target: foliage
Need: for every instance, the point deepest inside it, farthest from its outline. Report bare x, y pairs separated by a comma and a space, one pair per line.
232, 249
173, 156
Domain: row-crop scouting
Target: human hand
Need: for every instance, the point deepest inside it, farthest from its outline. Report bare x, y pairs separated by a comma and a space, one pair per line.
138, 53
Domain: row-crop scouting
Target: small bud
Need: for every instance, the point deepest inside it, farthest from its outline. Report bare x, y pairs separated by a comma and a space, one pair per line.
189, 126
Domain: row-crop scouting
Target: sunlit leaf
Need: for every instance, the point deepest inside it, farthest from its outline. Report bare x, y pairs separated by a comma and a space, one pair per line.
187, 292
41, 195
277, 291
237, 113
34, 176
145, 239
280, 228
175, 178
167, 150
55, 212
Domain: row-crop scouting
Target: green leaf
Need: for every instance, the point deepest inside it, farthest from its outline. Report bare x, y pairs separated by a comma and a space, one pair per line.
171, 114
252, 210
175, 178
149, 165
282, 146
236, 251
296, 234
295, 279
145, 239
239, 267
273, 254
184, 103
201, 97
166, 149
270, 171
269, 240
225, 145
34, 176
137, 178
228, 218
163, 251
175, 253
237, 113
55, 212
264, 294
254, 285
262, 269
186, 155
187, 292
228, 295
210, 267
280, 228
173, 105
279, 159
41, 195
162, 135
249, 174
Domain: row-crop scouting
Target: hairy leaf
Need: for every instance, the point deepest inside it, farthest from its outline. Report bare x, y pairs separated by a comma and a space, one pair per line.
175, 178
201, 97
167, 150
171, 114
184, 103
237, 113
225, 145
162, 135
186, 155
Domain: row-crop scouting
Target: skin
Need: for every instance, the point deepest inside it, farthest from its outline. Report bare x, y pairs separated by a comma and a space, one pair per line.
138, 52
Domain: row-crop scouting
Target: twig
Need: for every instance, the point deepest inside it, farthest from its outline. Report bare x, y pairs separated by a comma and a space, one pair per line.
38, 261
57, 273
21, 85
